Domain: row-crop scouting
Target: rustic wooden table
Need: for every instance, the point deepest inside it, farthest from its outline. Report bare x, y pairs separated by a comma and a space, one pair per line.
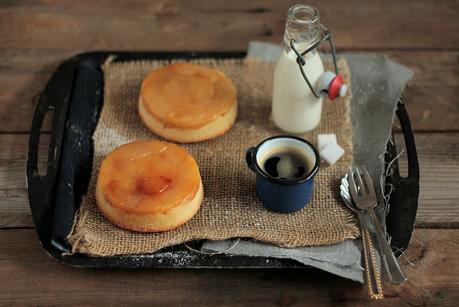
35, 36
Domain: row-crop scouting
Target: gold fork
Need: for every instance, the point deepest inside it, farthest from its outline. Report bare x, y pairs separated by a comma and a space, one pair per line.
372, 275
364, 197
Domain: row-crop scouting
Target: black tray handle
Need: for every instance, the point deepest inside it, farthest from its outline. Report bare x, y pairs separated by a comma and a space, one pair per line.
54, 97
41, 109
39, 184
413, 163
405, 190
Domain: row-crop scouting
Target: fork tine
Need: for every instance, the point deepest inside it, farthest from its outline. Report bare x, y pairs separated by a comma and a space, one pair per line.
352, 186
359, 181
368, 181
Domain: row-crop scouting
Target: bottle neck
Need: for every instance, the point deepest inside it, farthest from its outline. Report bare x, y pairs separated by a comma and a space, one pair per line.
302, 25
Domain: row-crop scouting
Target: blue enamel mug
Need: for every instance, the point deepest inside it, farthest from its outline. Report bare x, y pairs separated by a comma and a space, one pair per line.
283, 195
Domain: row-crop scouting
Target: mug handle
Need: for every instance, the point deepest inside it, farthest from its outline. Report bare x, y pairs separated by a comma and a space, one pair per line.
249, 157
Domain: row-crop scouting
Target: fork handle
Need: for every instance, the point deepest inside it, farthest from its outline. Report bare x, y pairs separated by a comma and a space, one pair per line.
391, 264
372, 275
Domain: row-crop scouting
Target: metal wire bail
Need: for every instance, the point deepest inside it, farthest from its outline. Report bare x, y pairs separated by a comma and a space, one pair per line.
325, 36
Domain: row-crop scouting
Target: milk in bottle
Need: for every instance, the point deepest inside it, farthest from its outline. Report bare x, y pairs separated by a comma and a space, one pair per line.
295, 109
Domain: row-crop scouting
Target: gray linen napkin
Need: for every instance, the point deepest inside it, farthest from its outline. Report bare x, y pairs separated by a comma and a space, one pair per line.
376, 82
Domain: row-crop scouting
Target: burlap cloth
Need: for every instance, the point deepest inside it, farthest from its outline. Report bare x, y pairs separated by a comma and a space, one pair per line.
230, 207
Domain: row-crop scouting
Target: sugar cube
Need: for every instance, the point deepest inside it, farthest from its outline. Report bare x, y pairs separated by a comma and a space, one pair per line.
331, 153
325, 139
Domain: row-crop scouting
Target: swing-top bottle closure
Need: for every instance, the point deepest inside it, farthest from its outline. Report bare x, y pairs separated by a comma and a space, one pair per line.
329, 84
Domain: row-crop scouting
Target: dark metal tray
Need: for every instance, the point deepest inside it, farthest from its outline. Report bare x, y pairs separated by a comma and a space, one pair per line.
75, 94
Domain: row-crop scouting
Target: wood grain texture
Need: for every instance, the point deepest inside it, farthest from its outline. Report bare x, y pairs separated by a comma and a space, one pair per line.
221, 25
431, 97
432, 280
13, 158
439, 169
438, 157
14, 209
14, 203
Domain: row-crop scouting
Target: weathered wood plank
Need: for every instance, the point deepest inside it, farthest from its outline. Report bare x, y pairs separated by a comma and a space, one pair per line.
23, 75
438, 155
432, 280
13, 157
159, 25
431, 97
14, 209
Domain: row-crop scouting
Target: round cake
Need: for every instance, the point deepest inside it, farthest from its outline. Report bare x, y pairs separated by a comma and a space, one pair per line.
185, 102
149, 186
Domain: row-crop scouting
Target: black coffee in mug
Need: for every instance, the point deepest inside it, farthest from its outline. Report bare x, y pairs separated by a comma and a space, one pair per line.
286, 163
285, 167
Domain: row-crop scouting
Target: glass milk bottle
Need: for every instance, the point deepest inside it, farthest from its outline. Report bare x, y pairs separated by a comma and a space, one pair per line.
299, 78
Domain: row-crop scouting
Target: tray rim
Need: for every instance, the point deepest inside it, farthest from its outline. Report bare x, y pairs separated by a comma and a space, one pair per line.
133, 261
